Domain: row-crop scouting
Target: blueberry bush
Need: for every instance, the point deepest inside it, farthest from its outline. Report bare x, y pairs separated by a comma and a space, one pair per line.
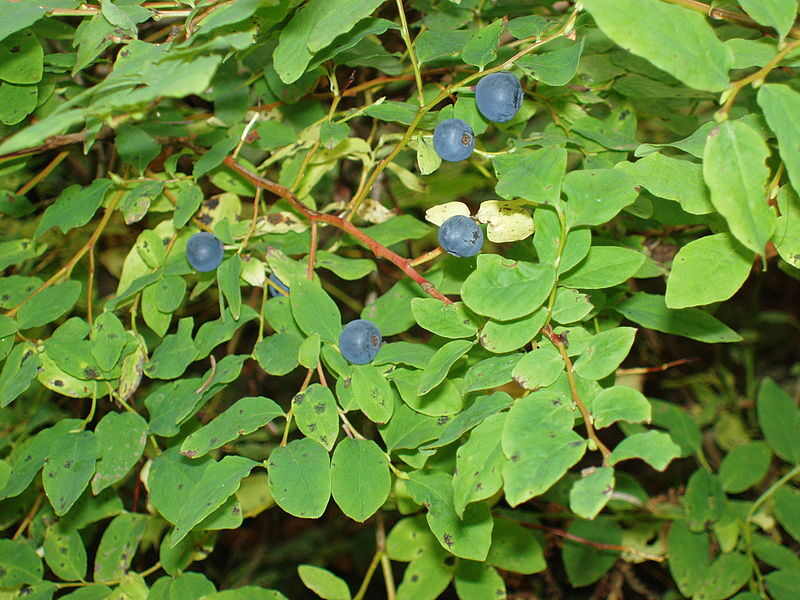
406, 299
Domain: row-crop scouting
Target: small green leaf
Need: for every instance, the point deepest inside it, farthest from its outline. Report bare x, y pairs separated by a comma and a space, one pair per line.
744, 466
538, 368
136, 147
19, 370
441, 363
778, 14
597, 195
479, 464
427, 576
704, 499
308, 353
557, 67
590, 494
585, 563
506, 289
533, 175
650, 311
174, 354
501, 337
68, 469
74, 207
620, 403
372, 393
787, 510
349, 269
278, 353
48, 305
474, 581
447, 320
21, 58
316, 415
688, 557
779, 419
735, 170
482, 48
725, 577
605, 352
604, 266
467, 537
482, 408
19, 563
118, 545
490, 372
244, 416
654, 447
314, 310
360, 479
228, 279
121, 438
515, 549
300, 478
323, 583
108, 339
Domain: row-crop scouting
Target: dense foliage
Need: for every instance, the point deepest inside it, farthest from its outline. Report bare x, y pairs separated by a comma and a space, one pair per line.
237, 365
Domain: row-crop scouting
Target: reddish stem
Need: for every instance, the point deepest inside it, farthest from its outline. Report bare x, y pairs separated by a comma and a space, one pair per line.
374, 246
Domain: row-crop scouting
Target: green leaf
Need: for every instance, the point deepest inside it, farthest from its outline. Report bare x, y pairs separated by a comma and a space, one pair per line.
68, 469
479, 464
744, 466
300, 478
490, 373
360, 479
349, 269
482, 48
515, 549
432, 45
447, 320
483, 407
604, 266
373, 393
189, 196
244, 416
19, 563
220, 480
778, 102
672, 178
735, 171
506, 289
136, 147
174, 354
278, 353
779, 419
590, 494
478, 581
783, 584
314, 310
108, 339
656, 448
468, 537
604, 353
695, 280
19, 370
533, 175
121, 438
620, 403
316, 415
597, 195
647, 27
787, 510
323, 583
312, 28
538, 368
787, 232
391, 312
427, 576
778, 14
21, 58
48, 305
247, 592
570, 306
688, 557
118, 545
408, 429
540, 446
228, 280
650, 311
74, 207
441, 363
725, 577
406, 353
585, 563
557, 67
501, 337
411, 537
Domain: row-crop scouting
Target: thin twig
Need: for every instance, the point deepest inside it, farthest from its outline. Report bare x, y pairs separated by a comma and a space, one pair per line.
658, 369
726, 15
43, 173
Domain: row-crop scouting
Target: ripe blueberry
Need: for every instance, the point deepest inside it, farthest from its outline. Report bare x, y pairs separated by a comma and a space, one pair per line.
204, 251
453, 140
461, 236
498, 96
360, 341
272, 291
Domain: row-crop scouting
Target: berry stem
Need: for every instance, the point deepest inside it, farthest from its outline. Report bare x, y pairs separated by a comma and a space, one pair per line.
374, 246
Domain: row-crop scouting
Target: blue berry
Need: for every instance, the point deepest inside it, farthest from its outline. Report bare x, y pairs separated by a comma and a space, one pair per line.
360, 341
461, 236
453, 140
272, 291
204, 251
499, 96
